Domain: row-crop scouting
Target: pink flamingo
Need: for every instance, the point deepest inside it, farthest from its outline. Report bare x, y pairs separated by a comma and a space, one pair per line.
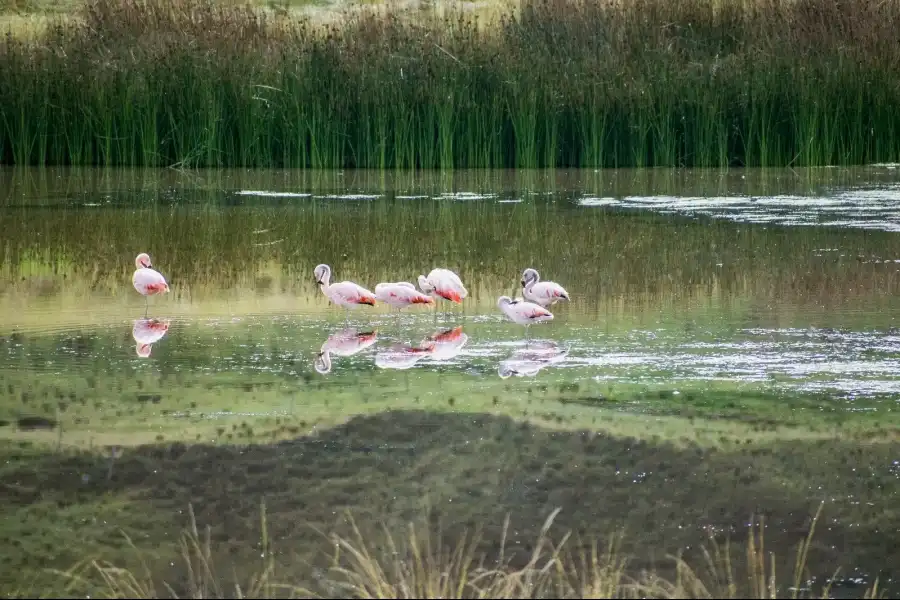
544, 293
344, 293
146, 280
443, 283
400, 295
522, 312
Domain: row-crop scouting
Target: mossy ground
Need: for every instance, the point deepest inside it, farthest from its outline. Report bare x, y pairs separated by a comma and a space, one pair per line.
464, 470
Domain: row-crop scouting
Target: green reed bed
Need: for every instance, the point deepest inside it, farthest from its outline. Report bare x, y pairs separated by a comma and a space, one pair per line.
557, 83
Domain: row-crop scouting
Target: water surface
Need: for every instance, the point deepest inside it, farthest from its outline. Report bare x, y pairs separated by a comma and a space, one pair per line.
706, 307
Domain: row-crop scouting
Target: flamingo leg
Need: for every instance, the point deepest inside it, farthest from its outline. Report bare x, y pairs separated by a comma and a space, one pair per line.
146, 305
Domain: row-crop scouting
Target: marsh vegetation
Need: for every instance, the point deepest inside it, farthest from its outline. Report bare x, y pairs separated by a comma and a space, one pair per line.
551, 83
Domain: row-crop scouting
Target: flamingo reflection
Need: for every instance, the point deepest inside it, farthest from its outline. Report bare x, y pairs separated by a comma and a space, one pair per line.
345, 342
528, 361
147, 332
446, 344
403, 356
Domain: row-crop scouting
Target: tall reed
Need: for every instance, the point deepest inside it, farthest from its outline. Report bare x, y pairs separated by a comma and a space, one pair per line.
556, 83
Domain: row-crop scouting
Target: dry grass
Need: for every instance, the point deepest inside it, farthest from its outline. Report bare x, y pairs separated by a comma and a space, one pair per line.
423, 565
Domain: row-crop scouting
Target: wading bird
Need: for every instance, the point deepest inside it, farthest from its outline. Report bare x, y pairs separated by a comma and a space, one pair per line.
147, 281
344, 293
443, 283
400, 295
540, 292
523, 313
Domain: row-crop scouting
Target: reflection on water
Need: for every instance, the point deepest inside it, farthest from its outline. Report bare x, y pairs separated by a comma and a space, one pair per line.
401, 356
147, 332
447, 344
528, 361
345, 342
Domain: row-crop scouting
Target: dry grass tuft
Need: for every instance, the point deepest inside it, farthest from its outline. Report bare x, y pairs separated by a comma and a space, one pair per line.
421, 565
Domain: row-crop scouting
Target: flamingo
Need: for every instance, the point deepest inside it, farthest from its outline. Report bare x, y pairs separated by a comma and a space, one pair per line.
344, 293
523, 312
544, 293
443, 283
146, 280
147, 332
400, 295
345, 342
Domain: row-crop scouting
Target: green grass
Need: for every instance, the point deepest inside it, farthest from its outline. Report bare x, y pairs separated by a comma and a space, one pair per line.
118, 403
451, 475
553, 83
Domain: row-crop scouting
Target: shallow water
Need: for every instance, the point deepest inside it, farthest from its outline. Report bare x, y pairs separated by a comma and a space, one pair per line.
767, 296
670, 289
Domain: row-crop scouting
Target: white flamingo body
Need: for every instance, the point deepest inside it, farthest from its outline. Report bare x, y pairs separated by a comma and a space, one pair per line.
540, 292
147, 332
443, 283
401, 294
523, 312
344, 293
345, 342
147, 280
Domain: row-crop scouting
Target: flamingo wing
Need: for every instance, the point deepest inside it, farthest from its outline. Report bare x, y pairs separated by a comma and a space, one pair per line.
550, 290
401, 293
533, 311
352, 293
447, 285
149, 282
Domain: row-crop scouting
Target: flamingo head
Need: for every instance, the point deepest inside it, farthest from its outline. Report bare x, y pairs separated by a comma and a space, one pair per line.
322, 274
504, 301
143, 350
529, 276
424, 285
143, 261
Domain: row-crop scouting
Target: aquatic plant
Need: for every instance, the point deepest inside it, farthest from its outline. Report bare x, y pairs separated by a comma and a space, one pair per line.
555, 83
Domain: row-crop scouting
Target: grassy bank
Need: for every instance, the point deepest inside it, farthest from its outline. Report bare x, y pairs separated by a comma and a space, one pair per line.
555, 83
459, 474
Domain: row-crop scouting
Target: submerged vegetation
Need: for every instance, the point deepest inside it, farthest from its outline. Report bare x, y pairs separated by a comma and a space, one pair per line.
554, 83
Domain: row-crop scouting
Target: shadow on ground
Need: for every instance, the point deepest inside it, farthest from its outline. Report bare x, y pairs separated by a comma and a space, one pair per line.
471, 471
